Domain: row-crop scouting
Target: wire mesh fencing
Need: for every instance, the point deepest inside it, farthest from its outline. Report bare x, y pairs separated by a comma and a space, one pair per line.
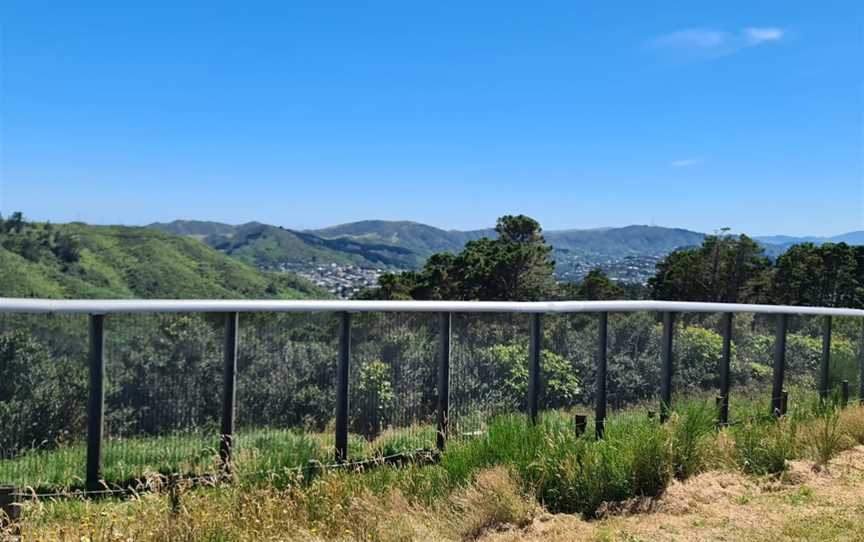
166, 393
163, 395
286, 377
43, 399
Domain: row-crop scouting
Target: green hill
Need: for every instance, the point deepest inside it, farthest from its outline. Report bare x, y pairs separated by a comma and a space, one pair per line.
84, 261
273, 247
194, 228
616, 242
420, 238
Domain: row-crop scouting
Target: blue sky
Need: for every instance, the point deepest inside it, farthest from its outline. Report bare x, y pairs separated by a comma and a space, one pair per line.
305, 114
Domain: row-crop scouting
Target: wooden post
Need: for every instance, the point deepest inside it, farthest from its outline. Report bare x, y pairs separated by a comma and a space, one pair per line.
824, 382
96, 404
725, 379
779, 365
580, 423
444, 324
844, 393
600, 397
784, 402
666, 373
229, 389
534, 368
342, 387
10, 512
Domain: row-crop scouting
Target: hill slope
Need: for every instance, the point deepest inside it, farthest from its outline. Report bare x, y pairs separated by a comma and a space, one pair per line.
612, 242
420, 238
274, 247
130, 262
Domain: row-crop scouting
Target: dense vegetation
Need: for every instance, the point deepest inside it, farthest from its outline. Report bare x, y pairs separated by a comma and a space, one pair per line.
82, 261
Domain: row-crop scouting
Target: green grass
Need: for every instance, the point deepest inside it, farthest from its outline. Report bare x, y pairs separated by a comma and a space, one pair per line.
260, 455
637, 456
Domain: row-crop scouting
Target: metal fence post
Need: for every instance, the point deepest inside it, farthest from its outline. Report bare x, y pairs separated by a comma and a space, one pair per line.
342, 387
779, 365
534, 368
824, 376
725, 380
666, 375
96, 405
844, 393
600, 398
229, 389
444, 322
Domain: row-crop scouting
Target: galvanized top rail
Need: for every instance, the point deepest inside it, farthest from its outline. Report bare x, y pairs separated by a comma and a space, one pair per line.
129, 306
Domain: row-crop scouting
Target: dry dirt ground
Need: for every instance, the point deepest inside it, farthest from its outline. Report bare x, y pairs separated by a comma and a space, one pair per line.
807, 503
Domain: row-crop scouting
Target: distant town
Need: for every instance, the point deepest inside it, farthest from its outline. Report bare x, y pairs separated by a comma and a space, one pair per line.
343, 281
633, 269
347, 280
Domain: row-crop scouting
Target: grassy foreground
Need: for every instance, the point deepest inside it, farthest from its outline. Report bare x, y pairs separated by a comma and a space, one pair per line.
684, 479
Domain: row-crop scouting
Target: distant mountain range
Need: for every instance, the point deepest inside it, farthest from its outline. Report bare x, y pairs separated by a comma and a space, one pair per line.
406, 245
778, 244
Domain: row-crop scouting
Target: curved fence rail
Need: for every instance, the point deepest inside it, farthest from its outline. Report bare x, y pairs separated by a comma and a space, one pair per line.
211, 378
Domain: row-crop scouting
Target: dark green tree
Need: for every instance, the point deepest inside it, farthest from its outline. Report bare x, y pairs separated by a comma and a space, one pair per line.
718, 271
516, 265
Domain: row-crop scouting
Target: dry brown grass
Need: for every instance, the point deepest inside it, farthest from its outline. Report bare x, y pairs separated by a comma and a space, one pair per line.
330, 509
807, 503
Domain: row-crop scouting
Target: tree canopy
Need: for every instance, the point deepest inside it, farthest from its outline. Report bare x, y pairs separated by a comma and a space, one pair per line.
515, 265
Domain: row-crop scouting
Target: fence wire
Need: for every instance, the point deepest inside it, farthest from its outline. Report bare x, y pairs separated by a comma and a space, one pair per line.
163, 394
164, 384
43, 399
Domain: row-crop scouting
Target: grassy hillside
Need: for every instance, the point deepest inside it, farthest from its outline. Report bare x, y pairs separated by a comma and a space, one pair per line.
129, 262
268, 246
420, 238
194, 228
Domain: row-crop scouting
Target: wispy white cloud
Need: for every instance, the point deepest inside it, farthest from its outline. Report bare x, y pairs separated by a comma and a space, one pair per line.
761, 35
700, 43
685, 162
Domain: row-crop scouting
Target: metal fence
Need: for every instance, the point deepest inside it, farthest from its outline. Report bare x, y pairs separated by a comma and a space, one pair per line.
365, 366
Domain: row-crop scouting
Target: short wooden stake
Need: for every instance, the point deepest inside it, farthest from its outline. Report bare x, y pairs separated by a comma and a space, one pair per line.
580, 423
10, 512
844, 393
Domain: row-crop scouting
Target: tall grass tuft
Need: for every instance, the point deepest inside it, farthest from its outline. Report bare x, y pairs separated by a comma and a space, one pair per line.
691, 423
579, 475
763, 448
